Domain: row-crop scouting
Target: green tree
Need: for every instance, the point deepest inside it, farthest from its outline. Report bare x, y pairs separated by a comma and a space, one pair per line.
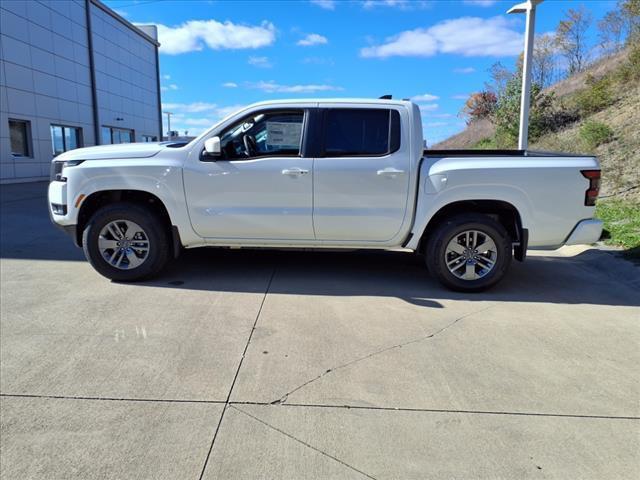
545, 115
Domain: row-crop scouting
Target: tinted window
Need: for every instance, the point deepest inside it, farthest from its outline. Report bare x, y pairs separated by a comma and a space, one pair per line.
361, 132
264, 134
19, 136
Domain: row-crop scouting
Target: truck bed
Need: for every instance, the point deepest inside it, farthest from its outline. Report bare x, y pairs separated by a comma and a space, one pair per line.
495, 153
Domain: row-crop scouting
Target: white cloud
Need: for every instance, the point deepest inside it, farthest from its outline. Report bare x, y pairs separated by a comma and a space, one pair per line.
194, 35
435, 124
402, 4
260, 62
230, 85
460, 96
326, 4
318, 61
430, 107
464, 70
467, 36
313, 39
122, 13
166, 77
272, 87
166, 88
198, 116
481, 3
439, 115
427, 97
195, 107
383, 3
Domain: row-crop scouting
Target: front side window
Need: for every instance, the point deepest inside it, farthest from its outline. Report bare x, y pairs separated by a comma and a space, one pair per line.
116, 135
264, 134
357, 132
65, 138
19, 131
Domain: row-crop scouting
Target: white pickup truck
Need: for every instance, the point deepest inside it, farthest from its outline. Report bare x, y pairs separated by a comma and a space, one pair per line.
321, 173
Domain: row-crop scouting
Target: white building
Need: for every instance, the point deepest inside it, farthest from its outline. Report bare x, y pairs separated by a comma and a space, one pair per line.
73, 73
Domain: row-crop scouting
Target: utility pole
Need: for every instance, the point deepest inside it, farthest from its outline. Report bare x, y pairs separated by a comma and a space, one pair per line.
168, 114
528, 7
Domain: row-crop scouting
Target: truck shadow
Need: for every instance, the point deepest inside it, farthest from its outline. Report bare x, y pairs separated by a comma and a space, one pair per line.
562, 280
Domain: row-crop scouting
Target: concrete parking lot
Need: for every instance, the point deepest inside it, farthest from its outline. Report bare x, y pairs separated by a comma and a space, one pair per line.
257, 364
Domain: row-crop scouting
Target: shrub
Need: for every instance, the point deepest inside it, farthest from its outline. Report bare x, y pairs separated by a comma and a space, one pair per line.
595, 133
480, 105
546, 114
596, 96
630, 70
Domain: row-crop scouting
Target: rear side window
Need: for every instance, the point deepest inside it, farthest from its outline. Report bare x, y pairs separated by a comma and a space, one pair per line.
350, 132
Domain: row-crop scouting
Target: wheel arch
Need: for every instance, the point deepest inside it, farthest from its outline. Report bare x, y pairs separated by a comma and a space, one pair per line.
98, 199
503, 212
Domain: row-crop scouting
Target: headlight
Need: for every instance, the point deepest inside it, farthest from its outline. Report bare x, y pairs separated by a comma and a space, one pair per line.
56, 169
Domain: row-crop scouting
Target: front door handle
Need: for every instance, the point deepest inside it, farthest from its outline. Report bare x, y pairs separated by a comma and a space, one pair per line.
390, 172
295, 172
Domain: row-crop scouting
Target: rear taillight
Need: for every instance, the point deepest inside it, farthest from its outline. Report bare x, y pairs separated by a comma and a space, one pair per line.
594, 186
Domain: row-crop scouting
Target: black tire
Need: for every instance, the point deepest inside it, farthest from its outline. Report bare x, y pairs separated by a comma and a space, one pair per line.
156, 232
447, 230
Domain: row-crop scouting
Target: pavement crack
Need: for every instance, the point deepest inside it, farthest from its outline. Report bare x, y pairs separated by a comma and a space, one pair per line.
284, 397
302, 442
109, 399
233, 383
442, 410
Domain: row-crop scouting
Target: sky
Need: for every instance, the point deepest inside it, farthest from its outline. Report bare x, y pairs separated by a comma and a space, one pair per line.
219, 55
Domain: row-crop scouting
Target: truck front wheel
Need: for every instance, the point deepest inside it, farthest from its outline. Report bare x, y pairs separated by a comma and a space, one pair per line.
469, 252
126, 242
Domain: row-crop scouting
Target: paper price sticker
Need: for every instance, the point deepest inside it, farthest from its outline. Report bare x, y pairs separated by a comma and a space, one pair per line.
284, 134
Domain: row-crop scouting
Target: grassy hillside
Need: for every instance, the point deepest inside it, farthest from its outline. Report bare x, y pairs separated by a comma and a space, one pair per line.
619, 154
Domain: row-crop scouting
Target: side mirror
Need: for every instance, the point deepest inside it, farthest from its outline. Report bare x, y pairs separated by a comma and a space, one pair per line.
212, 146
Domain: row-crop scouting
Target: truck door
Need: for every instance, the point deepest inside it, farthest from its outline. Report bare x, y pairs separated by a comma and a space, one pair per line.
260, 187
361, 176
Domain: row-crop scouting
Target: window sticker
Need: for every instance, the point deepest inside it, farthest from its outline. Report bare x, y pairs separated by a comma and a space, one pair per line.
283, 134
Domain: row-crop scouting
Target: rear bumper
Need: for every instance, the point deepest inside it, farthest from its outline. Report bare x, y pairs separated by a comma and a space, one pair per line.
585, 232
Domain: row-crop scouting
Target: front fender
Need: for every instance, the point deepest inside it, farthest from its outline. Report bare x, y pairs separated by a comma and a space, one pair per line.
162, 181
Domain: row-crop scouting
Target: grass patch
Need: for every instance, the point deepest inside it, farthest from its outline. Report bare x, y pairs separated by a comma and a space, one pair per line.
487, 143
621, 225
594, 134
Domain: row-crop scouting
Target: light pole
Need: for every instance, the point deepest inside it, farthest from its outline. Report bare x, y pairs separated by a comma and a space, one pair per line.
528, 7
168, 114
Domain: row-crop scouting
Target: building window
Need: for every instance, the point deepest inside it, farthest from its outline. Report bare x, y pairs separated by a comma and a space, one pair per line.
116, 135
65, 138
149, 138
20, 133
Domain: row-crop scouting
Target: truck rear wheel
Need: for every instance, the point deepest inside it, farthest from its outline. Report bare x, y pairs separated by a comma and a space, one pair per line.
469, 252
126, 242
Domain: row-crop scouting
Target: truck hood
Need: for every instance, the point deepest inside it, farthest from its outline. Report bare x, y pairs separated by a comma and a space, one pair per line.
104, 152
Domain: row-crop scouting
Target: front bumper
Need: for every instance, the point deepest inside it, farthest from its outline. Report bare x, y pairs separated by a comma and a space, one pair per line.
58, 210
585, 232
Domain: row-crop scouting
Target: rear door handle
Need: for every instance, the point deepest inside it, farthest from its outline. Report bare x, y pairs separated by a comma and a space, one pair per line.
390, 172
294, 171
